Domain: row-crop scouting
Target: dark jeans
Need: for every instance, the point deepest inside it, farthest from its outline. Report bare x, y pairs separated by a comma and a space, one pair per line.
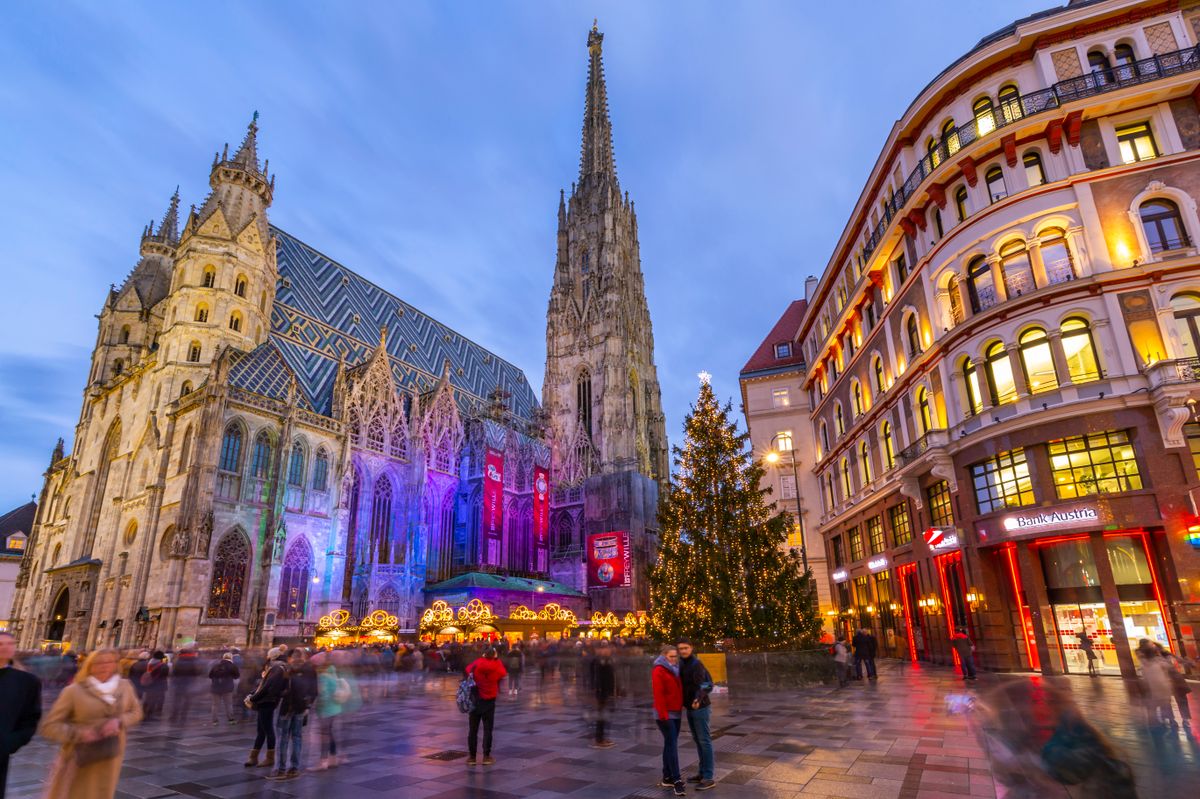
670, 757
291, 735
968, 665
485, 711
698, 724
601, 719
266, 727
859, 660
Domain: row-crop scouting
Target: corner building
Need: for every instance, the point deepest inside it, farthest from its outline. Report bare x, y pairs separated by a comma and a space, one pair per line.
1003, 352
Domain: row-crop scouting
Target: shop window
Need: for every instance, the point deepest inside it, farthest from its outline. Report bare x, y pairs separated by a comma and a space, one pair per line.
1037, 361
889, 448
901, 526
1035, 175
1010, 102
884, 600
1192, 431
971, 381
1016, 269
941, 513
1136, 143
1056, 256
1080, 350
838, 552
996, 187
856, 544
1163, 226
985, 116
1000, 375
960, 203
981, 286
1002, 481
1098, 463
875, 535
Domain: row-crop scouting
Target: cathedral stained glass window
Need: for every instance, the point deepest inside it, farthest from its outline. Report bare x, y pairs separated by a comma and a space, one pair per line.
294, 580
260, 463
320, 471
229, 576
381, 521
231, 449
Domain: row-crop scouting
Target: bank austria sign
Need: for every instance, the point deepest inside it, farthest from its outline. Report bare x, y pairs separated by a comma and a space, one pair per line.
1050, 519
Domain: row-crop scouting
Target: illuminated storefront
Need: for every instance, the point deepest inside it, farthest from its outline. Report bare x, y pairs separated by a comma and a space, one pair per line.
376, 628
476, 621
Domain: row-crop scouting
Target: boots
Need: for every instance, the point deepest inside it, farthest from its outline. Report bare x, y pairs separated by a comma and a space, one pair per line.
269, 761
252, 760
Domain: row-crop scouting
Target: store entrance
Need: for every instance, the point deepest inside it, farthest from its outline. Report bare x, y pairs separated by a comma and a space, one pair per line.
1141, 620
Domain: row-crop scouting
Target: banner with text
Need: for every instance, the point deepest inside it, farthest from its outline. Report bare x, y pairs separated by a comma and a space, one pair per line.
493, 504
608, 560
541, 518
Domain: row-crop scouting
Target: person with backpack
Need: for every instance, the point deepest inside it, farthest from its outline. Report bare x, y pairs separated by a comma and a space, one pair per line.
298, 696
486, 673
222, 677
668, 714
602, 679
514, 661
263, 701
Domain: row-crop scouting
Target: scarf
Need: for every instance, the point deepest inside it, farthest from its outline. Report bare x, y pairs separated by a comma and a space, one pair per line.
106, 690
661, 660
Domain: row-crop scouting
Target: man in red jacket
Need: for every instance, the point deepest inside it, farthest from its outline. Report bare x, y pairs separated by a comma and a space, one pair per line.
488, 671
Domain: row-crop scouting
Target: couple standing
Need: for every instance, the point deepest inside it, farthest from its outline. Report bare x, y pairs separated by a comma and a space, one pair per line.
682, 683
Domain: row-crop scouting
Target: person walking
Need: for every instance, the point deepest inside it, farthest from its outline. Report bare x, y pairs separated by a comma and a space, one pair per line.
697, 684
1089, 651
487, 671
90, 719
223, 676
154, 683
335, 695
514, 661
263, 701
294, 704
841, 660
137, 670
866, 647
20, 705
602, 678
1176, 669
668, 714
960, 642
1157, 681
185, 671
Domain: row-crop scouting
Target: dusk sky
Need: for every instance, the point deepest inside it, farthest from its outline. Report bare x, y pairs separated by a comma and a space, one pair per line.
423, 145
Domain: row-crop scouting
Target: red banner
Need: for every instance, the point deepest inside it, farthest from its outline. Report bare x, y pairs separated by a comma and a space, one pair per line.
493, 505
541, 518
608, 560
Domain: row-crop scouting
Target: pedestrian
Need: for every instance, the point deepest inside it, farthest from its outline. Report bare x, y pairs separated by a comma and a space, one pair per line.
223, 676
668, 714
697, 684
1089, 651
154, 684
487, 671
263, 701
20, 705
297, 698
1158, 688
841, 660
90, 719
514, 661
602, 677
961, 643
866, 647
137, 670
334, 697
185, 671
1179, 687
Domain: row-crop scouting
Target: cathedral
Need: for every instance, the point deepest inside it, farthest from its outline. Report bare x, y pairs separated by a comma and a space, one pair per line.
271, 446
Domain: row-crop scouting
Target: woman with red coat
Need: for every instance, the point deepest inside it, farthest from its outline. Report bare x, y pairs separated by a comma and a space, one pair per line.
668, 710
488, 671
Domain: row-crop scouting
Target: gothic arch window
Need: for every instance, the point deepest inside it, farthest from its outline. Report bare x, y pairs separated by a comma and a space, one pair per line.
112, 443
185, 450
564, 533
201, 313
381, 521
57, 554
125, 334
295, 579
193, 354
239, 287
295, 476
260, 459
118, 367
320, 470
209, 278
376, 434
231, 449
58, 616
262, 301
397, 444
235, 321
583, 400
230, 562
388, 600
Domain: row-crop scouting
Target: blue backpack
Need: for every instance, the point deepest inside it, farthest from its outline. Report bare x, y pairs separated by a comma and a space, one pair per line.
468, 694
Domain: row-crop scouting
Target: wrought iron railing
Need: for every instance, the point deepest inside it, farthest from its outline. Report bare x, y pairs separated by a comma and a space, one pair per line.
1059, 271
914, 450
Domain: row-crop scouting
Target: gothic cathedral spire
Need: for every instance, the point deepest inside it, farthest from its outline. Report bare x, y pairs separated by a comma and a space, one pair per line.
601, 390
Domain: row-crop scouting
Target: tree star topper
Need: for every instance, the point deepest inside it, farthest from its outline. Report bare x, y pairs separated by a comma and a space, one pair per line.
705, 377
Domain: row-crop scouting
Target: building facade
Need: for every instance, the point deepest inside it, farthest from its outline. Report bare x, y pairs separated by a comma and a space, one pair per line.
267, 439
1002, 352
776, 408
14, 538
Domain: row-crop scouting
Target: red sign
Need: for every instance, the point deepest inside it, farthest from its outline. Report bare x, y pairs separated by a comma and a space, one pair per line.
608, 560
541, 518
493, 504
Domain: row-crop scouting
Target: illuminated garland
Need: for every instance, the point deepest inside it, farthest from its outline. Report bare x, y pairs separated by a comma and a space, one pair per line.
334, 620
437, 617
552, 612
379, 620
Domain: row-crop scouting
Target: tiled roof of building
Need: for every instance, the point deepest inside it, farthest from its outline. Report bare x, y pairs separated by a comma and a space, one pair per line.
501, 582
784, 331
324, 311
17, 520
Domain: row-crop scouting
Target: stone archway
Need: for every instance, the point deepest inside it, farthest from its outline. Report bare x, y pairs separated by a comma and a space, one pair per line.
57, 626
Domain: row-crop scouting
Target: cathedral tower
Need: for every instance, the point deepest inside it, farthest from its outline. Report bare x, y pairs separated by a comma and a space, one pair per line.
601, 387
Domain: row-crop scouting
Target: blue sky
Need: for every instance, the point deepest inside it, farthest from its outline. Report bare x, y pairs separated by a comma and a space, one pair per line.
424, 145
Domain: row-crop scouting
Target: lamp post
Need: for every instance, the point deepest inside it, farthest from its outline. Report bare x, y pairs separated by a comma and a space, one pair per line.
773, 457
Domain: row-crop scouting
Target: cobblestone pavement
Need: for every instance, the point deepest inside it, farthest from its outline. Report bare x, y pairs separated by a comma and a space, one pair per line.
893, 738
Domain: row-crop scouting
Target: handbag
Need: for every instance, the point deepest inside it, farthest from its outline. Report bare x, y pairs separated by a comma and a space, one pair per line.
95, 751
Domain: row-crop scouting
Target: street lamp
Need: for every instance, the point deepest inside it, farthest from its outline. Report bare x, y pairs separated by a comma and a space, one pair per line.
773, 457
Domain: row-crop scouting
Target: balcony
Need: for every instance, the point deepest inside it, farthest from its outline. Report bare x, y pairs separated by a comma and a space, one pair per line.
911, 453
1100, 82
1176, 372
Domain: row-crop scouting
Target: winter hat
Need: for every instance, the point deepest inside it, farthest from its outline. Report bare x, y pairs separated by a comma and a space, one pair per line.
227, 656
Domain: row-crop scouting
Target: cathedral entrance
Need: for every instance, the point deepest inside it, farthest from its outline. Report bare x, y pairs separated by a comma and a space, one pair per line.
58, 618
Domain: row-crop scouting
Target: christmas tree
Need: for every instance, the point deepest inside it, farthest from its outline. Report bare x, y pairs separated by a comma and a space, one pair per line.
722, 569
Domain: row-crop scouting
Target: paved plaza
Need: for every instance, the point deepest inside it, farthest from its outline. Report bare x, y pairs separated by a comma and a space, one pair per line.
889, 739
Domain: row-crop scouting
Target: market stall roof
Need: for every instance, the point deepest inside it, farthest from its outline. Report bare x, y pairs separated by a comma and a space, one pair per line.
503, 583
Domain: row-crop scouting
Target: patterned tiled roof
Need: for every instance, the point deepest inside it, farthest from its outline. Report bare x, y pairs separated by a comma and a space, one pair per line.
324, 311
264, 371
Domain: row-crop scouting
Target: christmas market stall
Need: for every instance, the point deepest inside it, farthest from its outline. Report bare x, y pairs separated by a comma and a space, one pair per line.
336, 629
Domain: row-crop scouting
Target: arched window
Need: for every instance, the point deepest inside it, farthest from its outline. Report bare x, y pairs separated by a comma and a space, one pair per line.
1037, 360
1123, 62
839, 421
354, 425
864, 462
937, 224
847, 486
1080, 350
877, 372
296, 466
981, 285
912, 334
193, 355
262, 301
260, 459
857, 398
971, 381
381, 521
1010, 102
235, 321
320, 471
186, 388
985, 117
1100, 68
960, 203
201, 313
185, 450
239, 287
997, 189
125, 334
1017, 271
388, 600
209, 278
231, 449
230, 562
924, 411
1163, 225
1035, 175
954, 292
889, 446
583, 400
1000, 375
1056, 256
1187, 322
950, 136
397, 442
824, 440
376, 432
118, 367
294, 579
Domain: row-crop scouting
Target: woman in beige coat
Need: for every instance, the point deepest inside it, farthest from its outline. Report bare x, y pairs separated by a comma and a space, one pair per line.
89, 719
